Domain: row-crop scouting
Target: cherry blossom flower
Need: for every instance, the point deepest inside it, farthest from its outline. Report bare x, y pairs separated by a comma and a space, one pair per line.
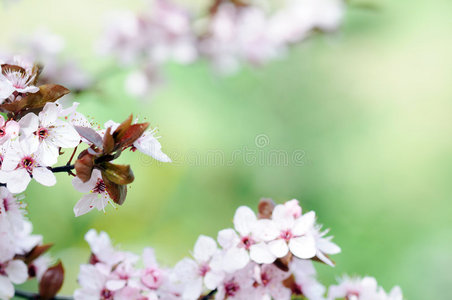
239, 247
11, 210
292, 234
46, 133
269, 280
20, 164
151, 276
237, 285
97, 196
103, 251
200, 271
92, 279
324, 245
21, 82
9, 130
11, 272
305, 282
362, 289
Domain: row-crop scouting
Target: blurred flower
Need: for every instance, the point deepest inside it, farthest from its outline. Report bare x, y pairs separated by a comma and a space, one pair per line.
365, 288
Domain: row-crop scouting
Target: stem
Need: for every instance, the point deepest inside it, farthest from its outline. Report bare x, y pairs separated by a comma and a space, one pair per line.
35, 296
67, 168
207, 297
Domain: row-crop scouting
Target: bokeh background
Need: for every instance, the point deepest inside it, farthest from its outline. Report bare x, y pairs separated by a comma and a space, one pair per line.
369, 109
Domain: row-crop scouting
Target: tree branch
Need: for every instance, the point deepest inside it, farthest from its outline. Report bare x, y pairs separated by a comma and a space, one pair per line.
67, 168
35, 296
207, 297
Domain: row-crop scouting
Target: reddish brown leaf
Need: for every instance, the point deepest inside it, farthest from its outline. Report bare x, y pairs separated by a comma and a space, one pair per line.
116, 192
119, 174
36, 252
133, 133
120, 131
291, 284
91, 135
51, 282
265, 208
109, 142
32, 102
84, 166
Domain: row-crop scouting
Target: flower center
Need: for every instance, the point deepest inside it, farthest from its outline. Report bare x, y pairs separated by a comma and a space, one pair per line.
152, 278
265, 279
5, 204
203, 270
286, 235
231, 288
106, 295
247, 242
27, 163
2, 132
2, 270
100, 187
42, 133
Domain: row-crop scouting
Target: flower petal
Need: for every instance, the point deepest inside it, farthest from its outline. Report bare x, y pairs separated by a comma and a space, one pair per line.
303, 247
44, 176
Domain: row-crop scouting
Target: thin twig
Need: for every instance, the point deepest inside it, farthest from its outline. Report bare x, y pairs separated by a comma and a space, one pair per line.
207, 297
67, 168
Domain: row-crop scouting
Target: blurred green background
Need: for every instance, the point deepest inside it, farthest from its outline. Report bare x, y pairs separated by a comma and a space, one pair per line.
369, 108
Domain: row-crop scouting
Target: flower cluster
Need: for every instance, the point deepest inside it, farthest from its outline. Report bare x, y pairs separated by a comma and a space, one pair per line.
269, 256
20, 250
229, 33
37, 127
48, 48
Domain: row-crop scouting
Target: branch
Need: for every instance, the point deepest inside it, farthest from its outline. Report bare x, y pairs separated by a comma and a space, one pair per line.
35, 296
67, 168
207, 297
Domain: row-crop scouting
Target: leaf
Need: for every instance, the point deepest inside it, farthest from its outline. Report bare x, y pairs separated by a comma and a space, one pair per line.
36, 252
283, 262
91, 135
119, 174
265, 208
84, 166
116, 192
120, 131
51, 282
46, 93
133, 133
109, 142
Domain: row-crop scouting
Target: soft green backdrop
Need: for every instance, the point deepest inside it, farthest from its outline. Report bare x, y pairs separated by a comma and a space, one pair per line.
369, 107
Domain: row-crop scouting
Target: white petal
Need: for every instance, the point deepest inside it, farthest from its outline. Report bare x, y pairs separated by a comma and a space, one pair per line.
186, 270
149, 145
282, 217
47, 153
227, 238
303, 247
235, 259
64, 135
49, 114
6, 89
244, 219
29, 124
304, 223
265, 230
6, 288
17, 181
85, 204
114, 285
213, 279
44, 176
278, 247
261, 254
193, 290
204, 249
17, 271
149, 258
